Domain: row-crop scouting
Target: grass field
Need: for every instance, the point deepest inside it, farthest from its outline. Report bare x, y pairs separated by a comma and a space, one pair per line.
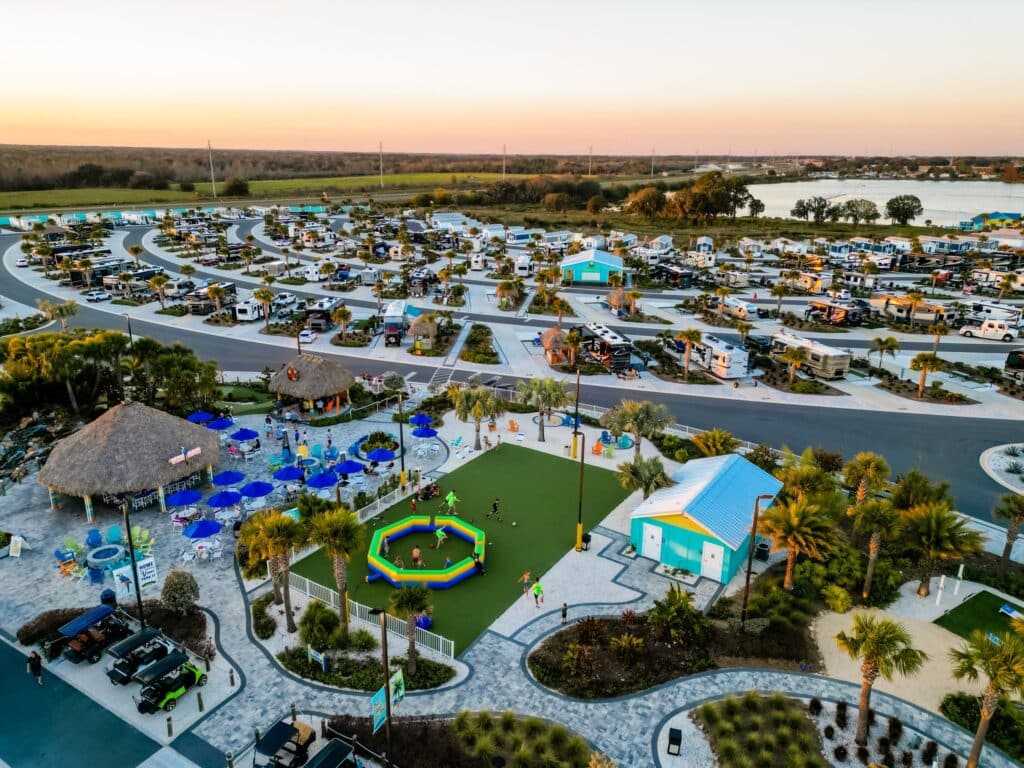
978, 612
537, 491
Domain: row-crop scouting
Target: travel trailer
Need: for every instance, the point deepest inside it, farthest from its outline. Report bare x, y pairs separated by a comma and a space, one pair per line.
319, 313
698, 260
479, 261
248, 310
979, 313
822, 361
718, 357
315, 272
524, 266
834, 313
395, 323
738, 308
898, 308
198, 302
606, 346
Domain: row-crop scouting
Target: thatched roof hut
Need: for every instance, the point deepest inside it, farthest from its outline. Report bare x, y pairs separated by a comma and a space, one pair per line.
424, 326
552, 340
308, 377
126, 450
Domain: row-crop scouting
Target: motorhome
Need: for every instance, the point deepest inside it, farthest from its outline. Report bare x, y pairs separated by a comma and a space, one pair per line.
717, 356
366, 276
175, 289
198, 302
733, 279
319, 314
979, 313
1013, 368
834, 313
479, 261
822, 361
395, 323
273, 268
898, 308
248, 310
738, 308
993, 278
698, 260
990, 329
524, 266
319, 270
677, 277
605, 346
812, 282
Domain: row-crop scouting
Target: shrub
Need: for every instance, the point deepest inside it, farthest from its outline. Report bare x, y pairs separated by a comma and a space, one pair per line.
1015, 468
317, 625
889, 760
841, 753
951, 761
1012, 450
765, 457
804, 387
895, 730
709, 714
180, 592
751, 701
830, 732
263, 624
627, 647
722, 608
814, 706
44, 626
883, 744
362, 641
929, 753
728, 750
863, 754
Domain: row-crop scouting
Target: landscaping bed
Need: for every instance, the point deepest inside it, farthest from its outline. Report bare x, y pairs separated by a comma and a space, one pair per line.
777, 377
363, 673
1006, 731
442, 343
224, 317
797, 323
175, 310
19, 324
933, 393
479, 346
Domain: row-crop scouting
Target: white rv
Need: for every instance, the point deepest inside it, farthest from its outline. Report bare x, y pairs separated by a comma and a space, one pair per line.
524, 266
698, 260
248, 310
720, 358
822, 361
738, 308
979, 313
315, 272
478, 261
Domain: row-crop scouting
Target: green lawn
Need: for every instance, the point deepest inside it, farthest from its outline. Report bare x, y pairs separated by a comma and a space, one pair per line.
978, 612
537, 491
245, 400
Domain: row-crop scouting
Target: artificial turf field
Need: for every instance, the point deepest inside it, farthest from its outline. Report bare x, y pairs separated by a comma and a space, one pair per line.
537, 490
980, 611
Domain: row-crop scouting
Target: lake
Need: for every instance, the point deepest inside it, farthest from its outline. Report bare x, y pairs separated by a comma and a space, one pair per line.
945, 202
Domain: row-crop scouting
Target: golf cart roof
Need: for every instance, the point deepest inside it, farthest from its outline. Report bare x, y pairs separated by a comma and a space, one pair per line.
158, 669
281, 733
86, 620
129, 644
335, 754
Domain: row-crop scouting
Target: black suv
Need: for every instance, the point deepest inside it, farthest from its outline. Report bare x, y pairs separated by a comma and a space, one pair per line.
760, 345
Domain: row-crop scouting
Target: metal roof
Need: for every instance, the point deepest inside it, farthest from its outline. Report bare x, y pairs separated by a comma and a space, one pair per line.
717, 492
602, 257
86, 620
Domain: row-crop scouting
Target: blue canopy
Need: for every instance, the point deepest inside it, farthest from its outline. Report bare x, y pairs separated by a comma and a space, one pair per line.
424, 432
224, 499
420, 420
245, 434
199, 417
86, 620
289, 473
349, 467
380, 454
183, 497
228, 477
221, 423
202, 529
256, 490
323, 480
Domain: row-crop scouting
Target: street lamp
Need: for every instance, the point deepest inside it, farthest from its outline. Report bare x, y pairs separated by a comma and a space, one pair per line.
401, 440
131, 337
387, 682
577, 432
135, 567
750, 556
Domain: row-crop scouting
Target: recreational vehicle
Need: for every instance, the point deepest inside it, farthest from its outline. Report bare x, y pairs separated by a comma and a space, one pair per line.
198, 302
677, 277
395, 323
834, 313
319, 270
738, 308
979, 313
718, 357
479, 261
812, 282
1013, 368
899, 307
175, 289
319, 314
822, 361
605, 346
248, 310
698, 260
524, 266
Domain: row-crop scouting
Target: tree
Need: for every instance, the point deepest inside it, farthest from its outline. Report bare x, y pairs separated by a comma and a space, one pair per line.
794, 357
689, 337
643, 419
756, 207
572, 343
779, 291
236, 187
410, 602
342, 316
884, 649
180, 592
556, 201
633, 297
1001, 661
879, 520
59, 312
800, 528
858, 210
867, 472
925, 362
1008, 282
715, 442
938, 330
136, 251
272, 536
914, 488
800, 210
216, 294
647, 202
642, 474
722, 292
475, 404
266, 299
1011, 510
561, 308
902, 209
340, 534
545, 395
914, 299
934, 532
595, 204
159, 284
889, 345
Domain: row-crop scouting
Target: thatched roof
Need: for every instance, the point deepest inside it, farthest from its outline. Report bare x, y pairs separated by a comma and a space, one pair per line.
552, 339
314, 378
424, 325
126, 450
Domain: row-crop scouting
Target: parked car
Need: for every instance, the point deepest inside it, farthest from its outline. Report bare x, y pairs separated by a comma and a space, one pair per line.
98, 296
284, 299
90, 642
135, 652
307, 336
761, 345
166, 681
22, 262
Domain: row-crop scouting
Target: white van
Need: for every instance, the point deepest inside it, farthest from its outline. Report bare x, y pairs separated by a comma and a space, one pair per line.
478, 261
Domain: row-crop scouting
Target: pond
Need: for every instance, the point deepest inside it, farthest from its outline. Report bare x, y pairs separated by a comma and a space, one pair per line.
945, 202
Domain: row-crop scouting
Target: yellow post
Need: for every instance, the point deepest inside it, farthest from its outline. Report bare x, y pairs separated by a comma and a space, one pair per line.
402, 479
575, 444
579, 537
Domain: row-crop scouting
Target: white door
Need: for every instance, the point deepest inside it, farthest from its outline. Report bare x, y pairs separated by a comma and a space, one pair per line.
651, 547
711, 559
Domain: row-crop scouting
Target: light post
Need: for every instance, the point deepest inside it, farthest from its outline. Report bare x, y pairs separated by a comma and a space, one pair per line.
577, 432
401, 441
387, 682
131, 337
750, 556
135, 567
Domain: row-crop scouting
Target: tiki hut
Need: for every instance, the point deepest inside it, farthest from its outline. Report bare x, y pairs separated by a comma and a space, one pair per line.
131, 448
553, 343
311, 380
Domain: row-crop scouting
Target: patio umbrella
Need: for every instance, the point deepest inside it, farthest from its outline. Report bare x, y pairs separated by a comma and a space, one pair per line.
256, 490
380, 454
228, 477
184, 497
245, 434
199, 417
424, 432
349, 467
420, 420
219, 424
323, 480
289, 473
224, 499
202, 529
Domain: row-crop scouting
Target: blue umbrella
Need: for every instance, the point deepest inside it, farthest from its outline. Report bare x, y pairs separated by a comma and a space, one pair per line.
256, 490
420, 420
224, 499
202, 529
349, 467
289, 473
323, 480
424, 432
228, 477
219, 424
245, 434
380, 454
199, 417
184, 497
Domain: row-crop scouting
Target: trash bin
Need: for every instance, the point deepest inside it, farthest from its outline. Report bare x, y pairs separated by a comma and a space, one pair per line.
586, 541
566, 451
107, 597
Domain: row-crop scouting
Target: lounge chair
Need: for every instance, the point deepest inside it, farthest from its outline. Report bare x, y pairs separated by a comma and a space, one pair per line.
93, 539
625, 442
73, 547
675, 741
317, 452
598, 448
457, 442
605, 437
114, 535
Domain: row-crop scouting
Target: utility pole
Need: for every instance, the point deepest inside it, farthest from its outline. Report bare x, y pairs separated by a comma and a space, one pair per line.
380, 149
213, 180
750, 556
502, 162
577, 432
590, 165
652, 161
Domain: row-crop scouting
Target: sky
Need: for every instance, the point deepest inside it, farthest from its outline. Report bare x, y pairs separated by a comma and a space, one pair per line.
556, 76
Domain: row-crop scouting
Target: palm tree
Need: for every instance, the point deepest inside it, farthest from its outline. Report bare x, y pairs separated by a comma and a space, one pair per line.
59, 312
938, 330
633, 297
715, 442
880, 520
507, 289
914, 299
342, 316
1011, 510
800, 528
187, 270
135, 251
216, 294
477, 404
615, 280
265, 297
795, 357
561, 308
1007, 283
889, 345
743, 329
1001, 661
410, 602
867, 472
779, 291
159, 284
647, 475
722, 293
804, 482
884, 648
644, 419
689, 337
934, 532
545, 395
572, 343
925, 362
340, 534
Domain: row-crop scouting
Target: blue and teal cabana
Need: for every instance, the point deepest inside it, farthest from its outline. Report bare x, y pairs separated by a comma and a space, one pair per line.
591, 266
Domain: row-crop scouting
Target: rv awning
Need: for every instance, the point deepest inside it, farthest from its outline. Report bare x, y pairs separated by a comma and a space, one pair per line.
86, 620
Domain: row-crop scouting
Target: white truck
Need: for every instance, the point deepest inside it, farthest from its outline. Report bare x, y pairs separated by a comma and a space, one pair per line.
979, 313
990, 329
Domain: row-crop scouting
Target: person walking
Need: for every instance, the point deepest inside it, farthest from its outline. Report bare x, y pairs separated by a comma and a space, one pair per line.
451, 499
538, 592
565, 613
478, 563
34, 667
525, 581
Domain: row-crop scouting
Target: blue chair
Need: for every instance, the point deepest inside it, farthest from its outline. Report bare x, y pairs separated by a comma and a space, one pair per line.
93, 539
95, 575
114, 535
63, 555
625, 442
605, 437
317, 451
332, 453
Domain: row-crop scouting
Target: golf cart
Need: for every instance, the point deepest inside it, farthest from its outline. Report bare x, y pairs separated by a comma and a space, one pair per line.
91, 632
166, 681
135, 652
285, 745
335, 754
